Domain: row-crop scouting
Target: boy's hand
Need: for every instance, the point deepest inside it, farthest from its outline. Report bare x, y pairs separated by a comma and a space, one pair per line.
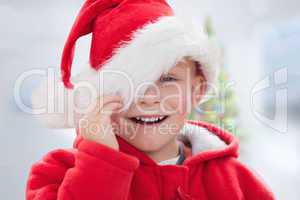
97, 125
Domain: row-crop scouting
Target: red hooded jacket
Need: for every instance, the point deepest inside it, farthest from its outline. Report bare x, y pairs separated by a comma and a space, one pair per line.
93, 171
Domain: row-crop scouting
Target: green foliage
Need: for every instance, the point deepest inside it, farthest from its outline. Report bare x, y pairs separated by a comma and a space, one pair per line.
221, 108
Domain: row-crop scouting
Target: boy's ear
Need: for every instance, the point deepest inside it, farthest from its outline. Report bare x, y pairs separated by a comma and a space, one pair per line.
198, 90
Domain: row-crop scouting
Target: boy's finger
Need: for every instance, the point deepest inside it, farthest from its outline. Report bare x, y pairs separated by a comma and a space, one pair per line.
106, 111
110, 108
103, 100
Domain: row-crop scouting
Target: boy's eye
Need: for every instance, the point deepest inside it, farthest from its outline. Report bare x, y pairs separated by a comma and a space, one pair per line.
167, 79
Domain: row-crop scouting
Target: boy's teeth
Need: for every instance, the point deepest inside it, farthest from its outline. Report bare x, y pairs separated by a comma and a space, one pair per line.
149, 119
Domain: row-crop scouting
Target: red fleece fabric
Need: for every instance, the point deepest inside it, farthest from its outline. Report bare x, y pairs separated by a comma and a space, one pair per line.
93, 171
112, 23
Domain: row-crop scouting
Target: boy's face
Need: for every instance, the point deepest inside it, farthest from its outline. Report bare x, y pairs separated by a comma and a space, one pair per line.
170, 98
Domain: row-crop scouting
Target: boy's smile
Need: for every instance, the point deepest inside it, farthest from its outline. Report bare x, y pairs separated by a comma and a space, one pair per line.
149, 119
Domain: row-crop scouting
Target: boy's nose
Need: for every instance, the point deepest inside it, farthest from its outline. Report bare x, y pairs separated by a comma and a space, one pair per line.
150, 97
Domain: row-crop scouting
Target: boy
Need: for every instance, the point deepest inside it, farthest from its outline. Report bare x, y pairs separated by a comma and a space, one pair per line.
148, 150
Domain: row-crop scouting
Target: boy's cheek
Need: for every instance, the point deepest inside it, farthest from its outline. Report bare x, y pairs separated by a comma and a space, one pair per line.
177, 104
184, 103
185, 106
180, 106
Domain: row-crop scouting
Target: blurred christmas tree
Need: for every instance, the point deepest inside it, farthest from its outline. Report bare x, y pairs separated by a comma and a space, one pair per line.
220, 109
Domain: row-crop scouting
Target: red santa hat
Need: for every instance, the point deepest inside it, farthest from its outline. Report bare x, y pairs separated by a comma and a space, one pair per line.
133, 42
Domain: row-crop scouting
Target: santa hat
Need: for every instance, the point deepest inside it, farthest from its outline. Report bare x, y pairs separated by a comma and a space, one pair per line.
133, 42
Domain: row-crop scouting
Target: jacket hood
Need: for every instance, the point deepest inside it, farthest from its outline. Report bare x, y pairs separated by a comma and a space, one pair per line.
208, 141
205, 140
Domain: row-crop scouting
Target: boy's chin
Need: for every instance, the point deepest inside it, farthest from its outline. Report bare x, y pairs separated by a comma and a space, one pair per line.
150, 143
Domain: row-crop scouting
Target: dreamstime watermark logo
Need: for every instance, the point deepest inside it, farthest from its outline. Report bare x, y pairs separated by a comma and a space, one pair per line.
280, 120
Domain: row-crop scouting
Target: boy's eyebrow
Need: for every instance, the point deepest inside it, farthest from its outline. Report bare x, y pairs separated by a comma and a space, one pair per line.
169, 73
